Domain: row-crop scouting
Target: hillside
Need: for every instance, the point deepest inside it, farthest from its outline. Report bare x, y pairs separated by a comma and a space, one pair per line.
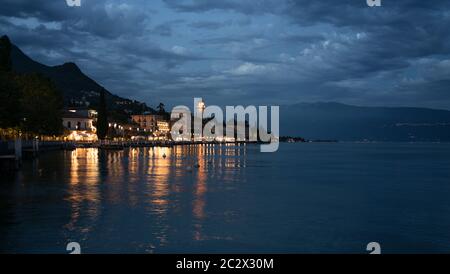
77, 88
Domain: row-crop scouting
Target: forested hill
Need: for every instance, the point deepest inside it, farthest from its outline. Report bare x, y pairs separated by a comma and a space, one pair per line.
77, 88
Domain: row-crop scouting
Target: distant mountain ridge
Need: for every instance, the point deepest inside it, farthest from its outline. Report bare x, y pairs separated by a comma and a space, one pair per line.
78, 89
335, 121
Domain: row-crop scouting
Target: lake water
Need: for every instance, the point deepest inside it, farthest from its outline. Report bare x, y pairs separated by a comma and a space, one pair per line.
306, 198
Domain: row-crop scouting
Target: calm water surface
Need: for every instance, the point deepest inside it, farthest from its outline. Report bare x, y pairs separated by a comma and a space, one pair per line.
306, 198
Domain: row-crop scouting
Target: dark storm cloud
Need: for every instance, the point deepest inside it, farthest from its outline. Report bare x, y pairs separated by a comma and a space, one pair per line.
211, 25
95, 18
50, 11
308, 39
279, 51
245, 7
166, 28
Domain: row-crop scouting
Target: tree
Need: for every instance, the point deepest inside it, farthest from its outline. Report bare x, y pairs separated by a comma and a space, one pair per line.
40, 105
9, 93
10, 111
29, 102
5, 54
161, 109
102, 121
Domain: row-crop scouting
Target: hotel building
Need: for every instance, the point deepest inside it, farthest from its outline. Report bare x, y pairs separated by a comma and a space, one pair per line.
153, 123
80, 124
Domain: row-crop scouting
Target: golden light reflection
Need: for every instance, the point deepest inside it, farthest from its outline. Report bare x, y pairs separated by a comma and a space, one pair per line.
158, 173
155, 179
83, 187
204, 156
113, 167
200, 185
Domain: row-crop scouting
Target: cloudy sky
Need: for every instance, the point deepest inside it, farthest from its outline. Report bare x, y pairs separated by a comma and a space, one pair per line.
246, 51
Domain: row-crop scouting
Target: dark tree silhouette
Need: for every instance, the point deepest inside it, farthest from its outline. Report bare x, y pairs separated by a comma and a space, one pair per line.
9, 99
102, 122
40, 105
10, 111
5, 54
29, 102
161, 108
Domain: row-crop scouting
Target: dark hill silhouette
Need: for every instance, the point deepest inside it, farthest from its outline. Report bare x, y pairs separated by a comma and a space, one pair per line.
78, 89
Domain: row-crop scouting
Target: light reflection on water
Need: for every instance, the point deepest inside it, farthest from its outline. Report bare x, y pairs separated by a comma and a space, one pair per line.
305, 198
130, 198
83, 187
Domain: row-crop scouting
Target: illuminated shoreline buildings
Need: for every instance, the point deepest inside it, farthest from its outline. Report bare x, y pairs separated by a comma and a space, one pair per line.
80, 122
155, 124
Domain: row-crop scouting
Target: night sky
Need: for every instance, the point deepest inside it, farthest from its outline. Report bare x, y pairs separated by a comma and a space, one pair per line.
271, 52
